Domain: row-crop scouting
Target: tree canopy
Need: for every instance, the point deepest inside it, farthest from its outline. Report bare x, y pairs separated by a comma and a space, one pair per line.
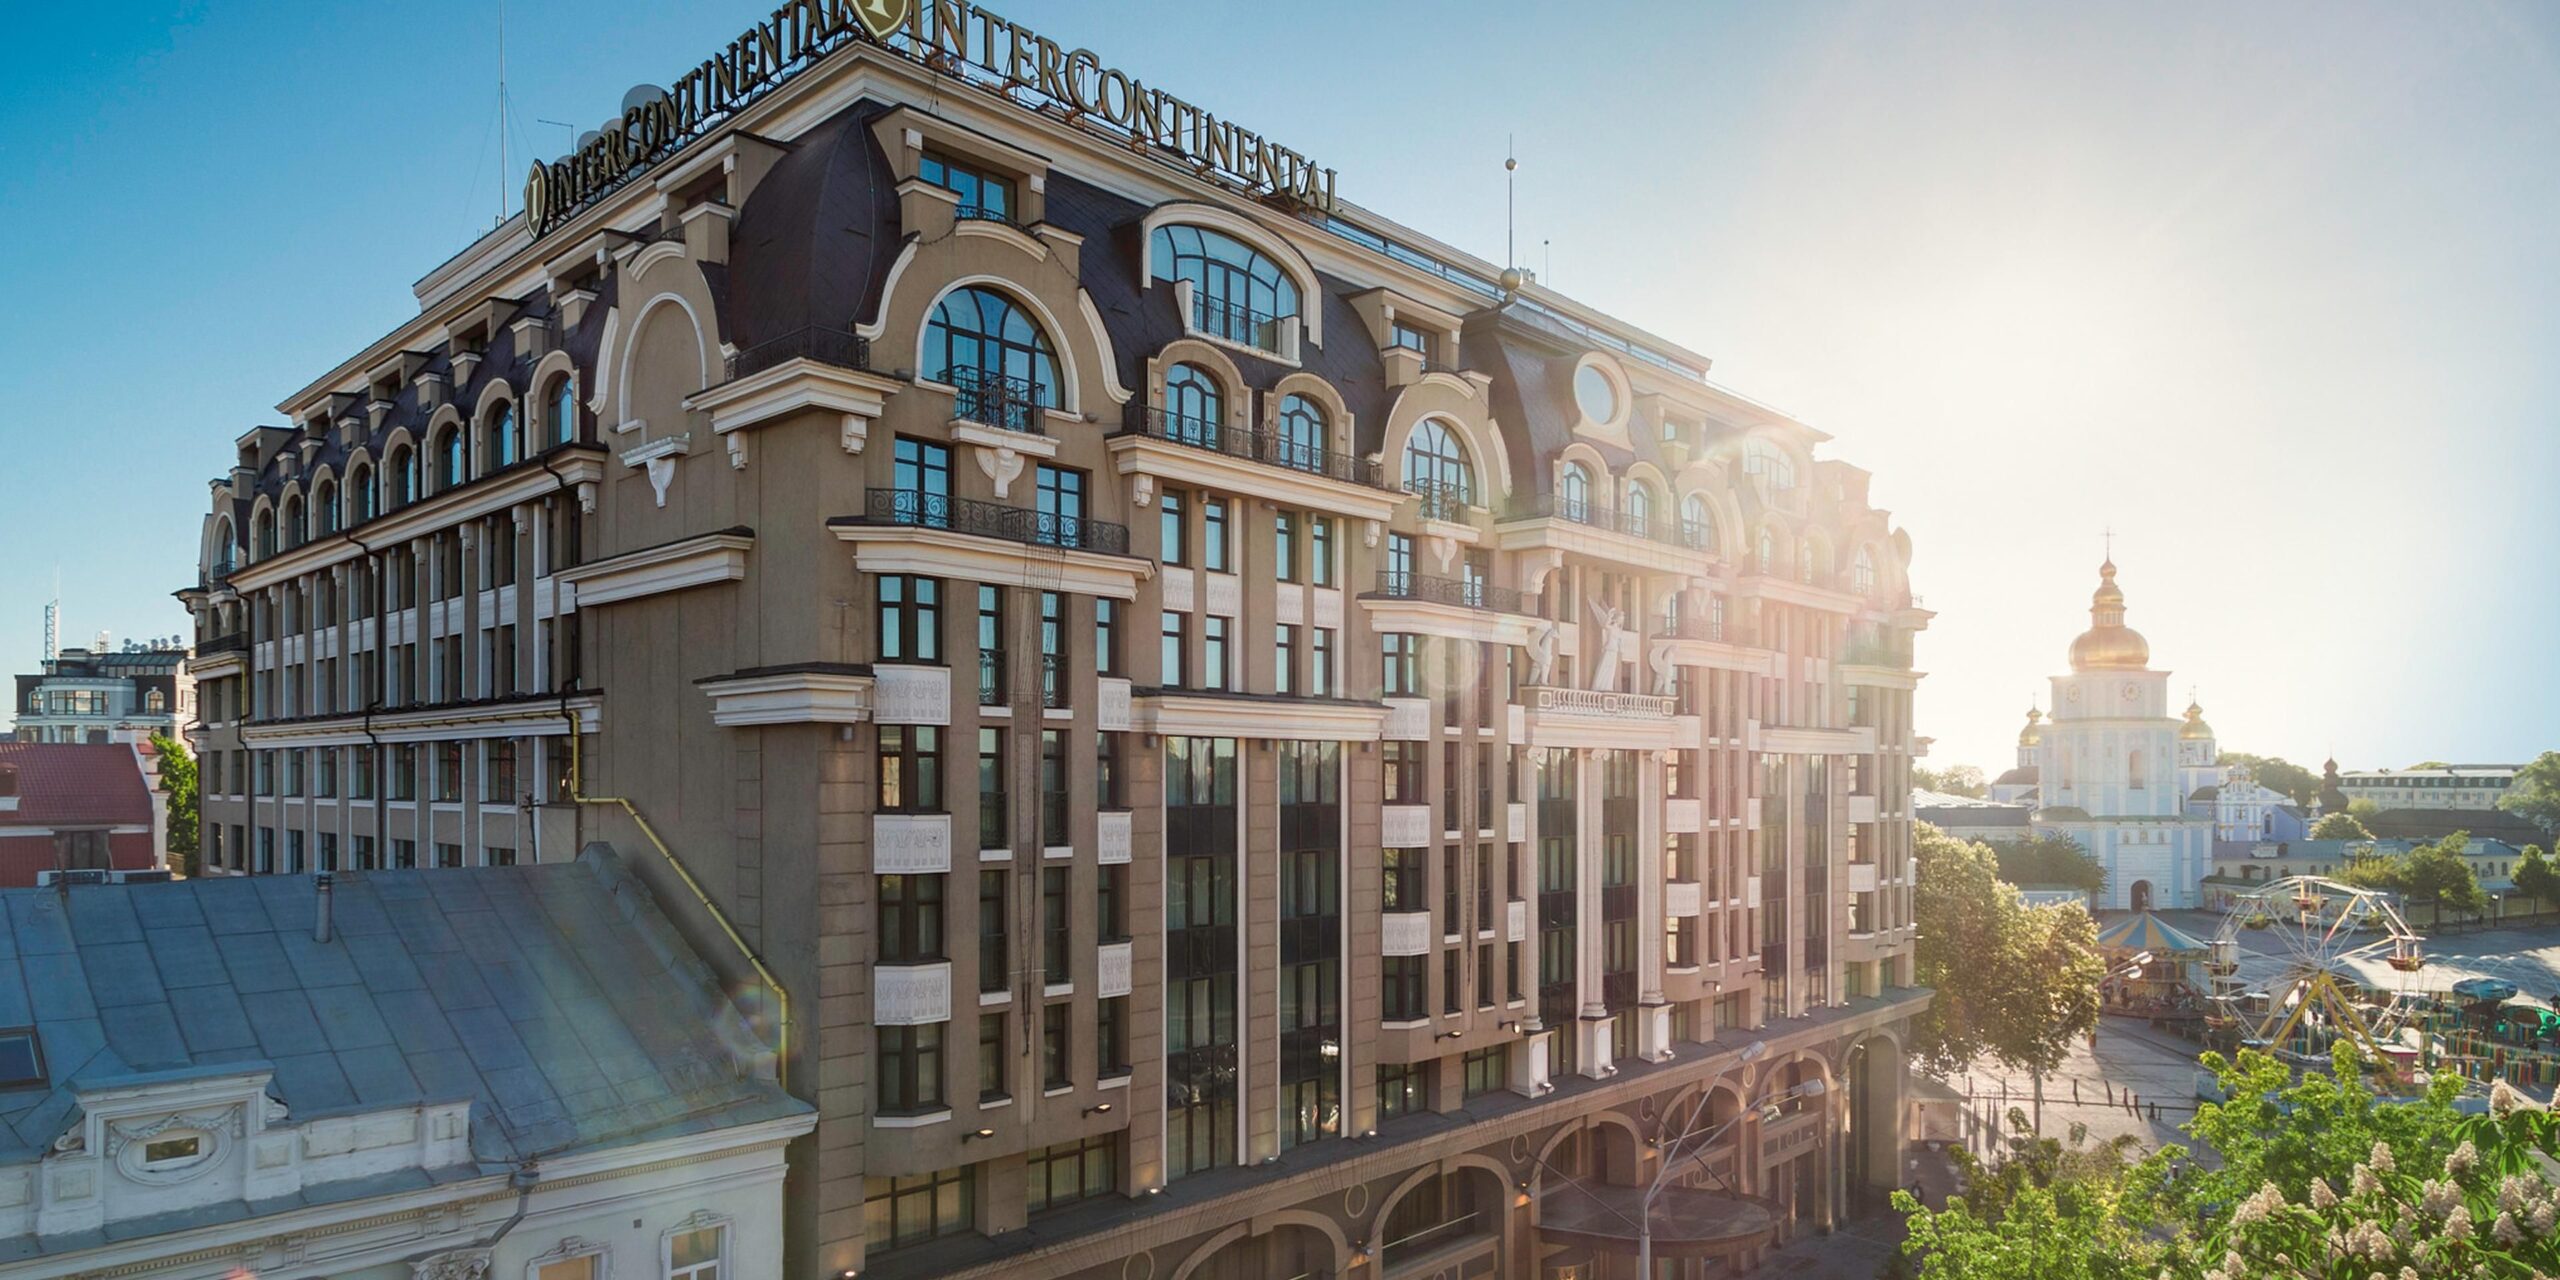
2340, 826
2535, 797
2050, 860
2536, 876
2435, 872
2278, 774
2014, 983
1954, 780
178, 779
2320, 1178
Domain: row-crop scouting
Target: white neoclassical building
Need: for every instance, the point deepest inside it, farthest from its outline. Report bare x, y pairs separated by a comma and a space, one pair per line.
2111, 768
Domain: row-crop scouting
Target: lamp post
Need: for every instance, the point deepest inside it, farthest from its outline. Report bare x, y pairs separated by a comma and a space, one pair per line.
1697, 1140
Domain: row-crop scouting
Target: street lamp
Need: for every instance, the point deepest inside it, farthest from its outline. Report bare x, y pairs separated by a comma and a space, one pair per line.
1695, 1140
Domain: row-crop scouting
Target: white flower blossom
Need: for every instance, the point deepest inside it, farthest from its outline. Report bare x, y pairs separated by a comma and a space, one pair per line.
2363, 1183
2439, 1198
2463, 1157
2457, 1226
2381, 1157
2543, 1218
2505, 1230
2515, 1195
2267, 1199
2321, 1196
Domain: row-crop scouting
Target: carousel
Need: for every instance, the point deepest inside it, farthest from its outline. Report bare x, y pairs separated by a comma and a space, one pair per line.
2304, 999
2153, 968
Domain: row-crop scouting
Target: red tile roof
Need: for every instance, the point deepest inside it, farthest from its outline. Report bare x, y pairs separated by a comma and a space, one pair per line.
74, 784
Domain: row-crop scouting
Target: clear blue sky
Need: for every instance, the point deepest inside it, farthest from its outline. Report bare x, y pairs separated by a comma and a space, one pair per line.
2269, 288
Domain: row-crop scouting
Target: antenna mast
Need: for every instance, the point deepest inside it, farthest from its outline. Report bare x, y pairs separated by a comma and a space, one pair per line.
1510, 202
502, 111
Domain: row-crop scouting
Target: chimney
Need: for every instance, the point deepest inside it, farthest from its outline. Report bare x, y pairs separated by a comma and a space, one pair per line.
322, 890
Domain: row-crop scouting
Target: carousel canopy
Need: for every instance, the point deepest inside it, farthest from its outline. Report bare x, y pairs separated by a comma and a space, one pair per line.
2144, 931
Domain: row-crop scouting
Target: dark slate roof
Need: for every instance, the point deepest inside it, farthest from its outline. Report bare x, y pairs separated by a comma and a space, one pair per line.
2023, 775
74, 784
556, 998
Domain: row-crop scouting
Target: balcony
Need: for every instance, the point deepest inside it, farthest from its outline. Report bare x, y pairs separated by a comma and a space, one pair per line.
1441, 502
1560, 716
1265, 447
1547, 698
916, 509
1465, 593
838, 348
993, 400
1239, 324
1653, 541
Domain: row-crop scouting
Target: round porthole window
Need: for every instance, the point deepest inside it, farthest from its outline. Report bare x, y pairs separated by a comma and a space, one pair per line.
1595, 394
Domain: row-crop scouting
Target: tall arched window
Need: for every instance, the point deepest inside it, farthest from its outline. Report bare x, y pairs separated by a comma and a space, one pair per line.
1639, 512
263, 535
1573, 492
498, 444
153, 700
290, 525
1435, 464
564, 410
1862, 573
404, 476
1804, 562
324, 508
1194, 406
1770, 463
1302, 434
1698, 525
452, 459
359, 501
1768, 551
995, 353
1237, 292
226, 549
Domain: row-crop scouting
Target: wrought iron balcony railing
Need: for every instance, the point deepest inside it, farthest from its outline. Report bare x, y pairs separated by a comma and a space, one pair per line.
1236, 323
1440, 501
1258, 446
841, 348
994, 520
984, 213
1464, 593
994, 400
1650, 526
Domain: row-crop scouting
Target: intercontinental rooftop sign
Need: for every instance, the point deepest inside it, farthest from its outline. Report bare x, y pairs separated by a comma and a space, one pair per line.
949, 35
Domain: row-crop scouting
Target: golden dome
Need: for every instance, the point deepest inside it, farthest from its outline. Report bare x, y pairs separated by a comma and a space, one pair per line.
2033, 734
2108, 644
2195, 729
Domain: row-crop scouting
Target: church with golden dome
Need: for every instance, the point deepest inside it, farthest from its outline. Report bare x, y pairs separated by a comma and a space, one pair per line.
2113, 769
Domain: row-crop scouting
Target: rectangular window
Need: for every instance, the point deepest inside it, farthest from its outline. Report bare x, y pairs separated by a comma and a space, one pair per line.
1055, 1070
921, 472
991, 1057
1170, 660
1320, 550
697, 1254
1488, 1070
1106, 771
1056, 936
498, 772
1171, 528
1073, 1171
1060, 495
1401, 1089
910, 1067
910, 768
1284, 658
1402, 995
1111, 903
448, 772
1111, 1036
991, 690
994, 827
1106, 636
1320, 674
1450, 999
1284, 547
983, 192
1399, 663
1053, 788
992, 931
910, 618
897, 1212
1401, 769
1213, 653
1409, 338
448, 855
910, 918
1401, 880
1053, 649
404, 855
1216, 555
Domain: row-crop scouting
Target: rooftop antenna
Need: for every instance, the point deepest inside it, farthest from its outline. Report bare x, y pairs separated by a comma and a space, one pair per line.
1547, 268
1510, 202
502, 111
53, 626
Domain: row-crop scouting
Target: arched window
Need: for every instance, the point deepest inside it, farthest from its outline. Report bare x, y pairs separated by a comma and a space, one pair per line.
1573, 491
452, 460
1770, 463
1698, 525
1639, 512
404, 476
263, 535
498, 443
1768, 551
290, 523
1237, 292
1194, 406
154, 700
564, 410
1302, 434
1862, 573
1804, 562
359, 501
1436, 466
324, 508
995, 353
226, 548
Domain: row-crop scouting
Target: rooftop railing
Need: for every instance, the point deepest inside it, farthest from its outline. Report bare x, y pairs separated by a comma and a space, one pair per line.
842, 348
994, 520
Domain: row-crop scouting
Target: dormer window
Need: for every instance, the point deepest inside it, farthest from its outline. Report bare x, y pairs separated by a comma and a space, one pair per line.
1238, 294
1409, 338
21, 1056
984, 193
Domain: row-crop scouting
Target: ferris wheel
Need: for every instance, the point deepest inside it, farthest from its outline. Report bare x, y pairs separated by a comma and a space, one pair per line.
2321, 927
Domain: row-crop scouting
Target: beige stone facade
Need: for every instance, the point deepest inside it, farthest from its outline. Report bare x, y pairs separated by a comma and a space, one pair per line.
1248, 743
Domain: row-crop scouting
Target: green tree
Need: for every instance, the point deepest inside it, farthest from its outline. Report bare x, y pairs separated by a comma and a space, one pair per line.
2363, 807
2014, 983
1954, 780
2339, 826
2278, 774
2536, 877
2437, 872
2535, 797
178, 780
2050, 860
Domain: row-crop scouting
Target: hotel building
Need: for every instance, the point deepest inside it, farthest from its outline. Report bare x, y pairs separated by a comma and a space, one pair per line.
1212, 730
